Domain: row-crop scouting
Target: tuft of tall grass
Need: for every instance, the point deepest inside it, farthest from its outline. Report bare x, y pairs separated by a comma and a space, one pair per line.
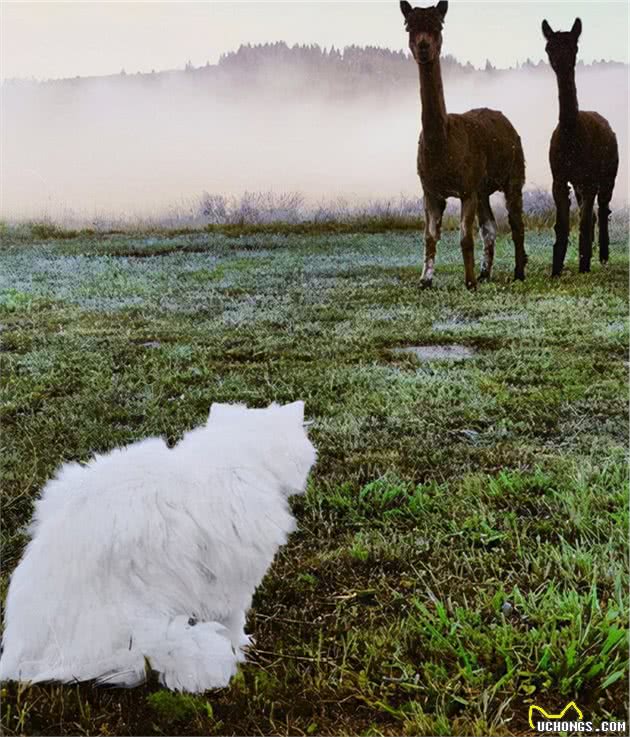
288, 213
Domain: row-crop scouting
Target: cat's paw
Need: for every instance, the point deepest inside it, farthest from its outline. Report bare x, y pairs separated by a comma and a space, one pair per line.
195, 658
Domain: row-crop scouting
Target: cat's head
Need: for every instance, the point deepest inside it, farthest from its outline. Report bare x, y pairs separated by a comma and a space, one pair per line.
280, 433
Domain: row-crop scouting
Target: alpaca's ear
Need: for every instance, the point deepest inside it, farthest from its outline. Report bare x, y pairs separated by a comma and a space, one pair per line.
546, 29
577, 29
405, 8
441, 8
295, 411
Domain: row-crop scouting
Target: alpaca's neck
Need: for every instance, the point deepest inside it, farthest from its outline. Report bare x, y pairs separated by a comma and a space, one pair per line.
434, 118
567, 95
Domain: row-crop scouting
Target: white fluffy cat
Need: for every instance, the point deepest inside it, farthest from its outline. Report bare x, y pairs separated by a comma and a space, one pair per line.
154, 553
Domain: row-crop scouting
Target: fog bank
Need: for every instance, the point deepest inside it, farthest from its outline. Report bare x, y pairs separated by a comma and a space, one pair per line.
137, 145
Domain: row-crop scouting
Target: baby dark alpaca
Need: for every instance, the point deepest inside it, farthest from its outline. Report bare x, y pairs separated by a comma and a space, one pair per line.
583, 153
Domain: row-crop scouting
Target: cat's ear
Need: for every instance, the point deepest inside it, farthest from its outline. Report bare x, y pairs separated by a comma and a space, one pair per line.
294, 411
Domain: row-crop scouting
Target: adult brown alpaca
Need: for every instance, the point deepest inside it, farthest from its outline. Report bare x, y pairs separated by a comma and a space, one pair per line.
583, 152
468, 156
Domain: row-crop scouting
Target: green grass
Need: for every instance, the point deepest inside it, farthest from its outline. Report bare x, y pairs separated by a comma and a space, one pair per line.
461, 550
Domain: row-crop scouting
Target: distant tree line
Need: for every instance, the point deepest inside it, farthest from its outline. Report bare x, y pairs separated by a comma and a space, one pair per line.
368, 61
353, 68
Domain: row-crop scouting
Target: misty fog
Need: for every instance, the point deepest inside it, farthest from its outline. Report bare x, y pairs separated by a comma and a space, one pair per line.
137, 145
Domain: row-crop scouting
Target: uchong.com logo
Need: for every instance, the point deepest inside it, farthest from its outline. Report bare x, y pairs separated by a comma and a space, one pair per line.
570, 719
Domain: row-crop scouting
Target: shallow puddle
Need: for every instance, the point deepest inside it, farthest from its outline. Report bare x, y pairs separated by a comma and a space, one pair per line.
425, 353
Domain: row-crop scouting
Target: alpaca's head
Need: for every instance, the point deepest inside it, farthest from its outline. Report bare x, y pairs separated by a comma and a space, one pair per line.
562, 46
424, 26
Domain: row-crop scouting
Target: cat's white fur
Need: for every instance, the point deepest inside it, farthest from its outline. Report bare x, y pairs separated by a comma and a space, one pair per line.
150, 555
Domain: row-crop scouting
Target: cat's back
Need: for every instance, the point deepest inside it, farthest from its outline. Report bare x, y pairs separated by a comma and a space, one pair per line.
121, 472
88, 515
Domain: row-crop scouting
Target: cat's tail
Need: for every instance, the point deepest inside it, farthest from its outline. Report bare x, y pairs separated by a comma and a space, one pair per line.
188, 656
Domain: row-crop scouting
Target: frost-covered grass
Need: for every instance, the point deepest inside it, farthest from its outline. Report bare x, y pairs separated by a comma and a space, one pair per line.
461, 548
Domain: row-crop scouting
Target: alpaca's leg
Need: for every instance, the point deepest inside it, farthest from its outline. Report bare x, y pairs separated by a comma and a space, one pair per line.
514, 205
586, 231
469, 210
561, 198
603, 207
488, 232
580, 199
433, 211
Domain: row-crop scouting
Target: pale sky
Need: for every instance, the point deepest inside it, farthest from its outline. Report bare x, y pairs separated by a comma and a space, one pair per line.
64, 39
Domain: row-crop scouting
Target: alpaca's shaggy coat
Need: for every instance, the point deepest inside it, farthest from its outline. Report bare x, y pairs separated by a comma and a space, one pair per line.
468, 156
583, 152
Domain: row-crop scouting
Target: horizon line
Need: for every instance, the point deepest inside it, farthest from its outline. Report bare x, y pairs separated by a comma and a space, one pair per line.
123, 72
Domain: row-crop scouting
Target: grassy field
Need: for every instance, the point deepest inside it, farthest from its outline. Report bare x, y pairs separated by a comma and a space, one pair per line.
461, 550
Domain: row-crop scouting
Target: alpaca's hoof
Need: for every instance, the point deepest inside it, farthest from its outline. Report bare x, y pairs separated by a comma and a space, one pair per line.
519, 275
556, 273
426, 283
603, 261
484, 275
471, 286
